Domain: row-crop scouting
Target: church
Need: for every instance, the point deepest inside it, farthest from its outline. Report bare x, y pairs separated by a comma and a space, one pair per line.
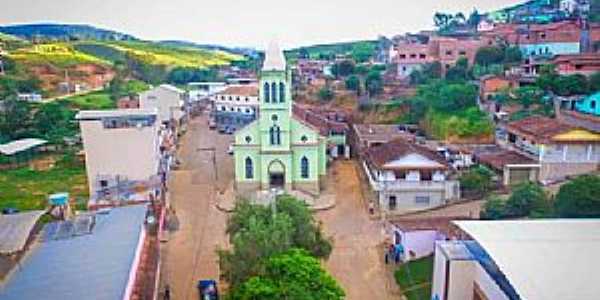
278, 150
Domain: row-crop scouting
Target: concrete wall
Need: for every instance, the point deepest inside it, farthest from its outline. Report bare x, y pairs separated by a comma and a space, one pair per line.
130, 152
550, 48
169, 103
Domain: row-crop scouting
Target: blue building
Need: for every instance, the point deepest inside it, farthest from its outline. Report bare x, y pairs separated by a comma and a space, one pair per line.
589, 104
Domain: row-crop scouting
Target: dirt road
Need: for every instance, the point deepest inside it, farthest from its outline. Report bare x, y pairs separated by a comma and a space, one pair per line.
190, 255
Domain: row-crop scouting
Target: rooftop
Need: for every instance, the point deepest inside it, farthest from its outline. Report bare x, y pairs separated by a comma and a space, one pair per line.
89, 266
20, 145
324, 121
250, 90
543, 259
497, 157
15, 230
99, 114
538, 128
381, 130
399, 153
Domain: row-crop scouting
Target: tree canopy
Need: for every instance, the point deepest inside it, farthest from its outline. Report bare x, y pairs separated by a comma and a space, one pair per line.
293, 274
579, 198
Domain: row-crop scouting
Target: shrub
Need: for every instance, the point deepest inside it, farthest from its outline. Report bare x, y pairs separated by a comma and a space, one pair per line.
579, 198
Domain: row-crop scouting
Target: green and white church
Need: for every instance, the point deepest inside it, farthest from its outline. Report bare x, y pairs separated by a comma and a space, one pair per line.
277, 150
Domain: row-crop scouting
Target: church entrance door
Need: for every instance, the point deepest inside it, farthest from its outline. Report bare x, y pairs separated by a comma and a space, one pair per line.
276, 174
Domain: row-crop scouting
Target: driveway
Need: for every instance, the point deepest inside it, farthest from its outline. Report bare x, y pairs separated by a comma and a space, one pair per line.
190, 255
356, 261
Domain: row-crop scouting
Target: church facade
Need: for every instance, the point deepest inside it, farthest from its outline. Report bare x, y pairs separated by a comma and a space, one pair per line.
278, 150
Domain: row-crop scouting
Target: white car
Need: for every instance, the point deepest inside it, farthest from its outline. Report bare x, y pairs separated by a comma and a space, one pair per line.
230, 149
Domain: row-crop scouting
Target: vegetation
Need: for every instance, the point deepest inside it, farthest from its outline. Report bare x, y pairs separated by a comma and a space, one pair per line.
329, 51
326, 94
353, 83
477, 180
415, 277
258, 234
57, 54
27, 189
92, 101
343, 68
526, 200
579, 198
295, 274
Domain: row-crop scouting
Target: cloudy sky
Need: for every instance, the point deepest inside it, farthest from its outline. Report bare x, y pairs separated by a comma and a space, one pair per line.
244, 22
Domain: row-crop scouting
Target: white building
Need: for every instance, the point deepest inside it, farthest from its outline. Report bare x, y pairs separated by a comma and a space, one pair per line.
202, 90
30, 97
409, 177
237, 105
167, 99
519, 259
120, 145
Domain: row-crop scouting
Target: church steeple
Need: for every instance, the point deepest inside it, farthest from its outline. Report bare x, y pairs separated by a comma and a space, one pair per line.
274, 58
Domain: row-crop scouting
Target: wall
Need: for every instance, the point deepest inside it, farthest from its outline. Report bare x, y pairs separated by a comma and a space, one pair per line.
169, 103
550, 48
131, 152
487, 285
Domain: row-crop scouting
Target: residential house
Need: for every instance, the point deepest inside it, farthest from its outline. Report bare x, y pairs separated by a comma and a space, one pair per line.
584, 63
128, 102
121, 147
491, 85
561, 149
168, 100
236, 106
513, 167
508, 260
365, 136
331, 124
589, 105
309, 70
198, 91
409, 177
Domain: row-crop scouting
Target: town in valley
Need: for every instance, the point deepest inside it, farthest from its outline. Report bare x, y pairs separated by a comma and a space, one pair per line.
455, 162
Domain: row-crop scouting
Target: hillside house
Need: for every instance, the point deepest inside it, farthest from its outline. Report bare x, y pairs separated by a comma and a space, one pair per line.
561, 149
408, 177
589, 105
584, 64
330, 124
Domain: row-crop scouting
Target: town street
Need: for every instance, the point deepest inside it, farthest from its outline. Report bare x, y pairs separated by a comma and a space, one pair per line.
356, 261
190, 255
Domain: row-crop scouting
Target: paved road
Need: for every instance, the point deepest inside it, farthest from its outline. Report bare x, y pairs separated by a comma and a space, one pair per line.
190, 255
356, 261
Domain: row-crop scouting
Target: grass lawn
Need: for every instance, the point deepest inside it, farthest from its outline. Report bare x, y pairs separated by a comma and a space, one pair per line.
26, 189
421, 273
93, 101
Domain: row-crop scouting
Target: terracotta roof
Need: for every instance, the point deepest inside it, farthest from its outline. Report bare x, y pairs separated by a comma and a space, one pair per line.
324, 122
380, 155
591, 58
241, 90
497, 157
538, 128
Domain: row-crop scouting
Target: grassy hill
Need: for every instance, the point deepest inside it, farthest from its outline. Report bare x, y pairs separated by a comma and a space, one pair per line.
64, 32
59, 55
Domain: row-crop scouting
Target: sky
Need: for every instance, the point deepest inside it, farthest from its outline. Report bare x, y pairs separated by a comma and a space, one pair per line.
248, 23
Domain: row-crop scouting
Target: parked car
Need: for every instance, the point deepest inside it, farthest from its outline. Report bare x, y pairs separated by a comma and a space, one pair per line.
212, 125
222, 129
9, 211
230, 130
208, 290
230, 149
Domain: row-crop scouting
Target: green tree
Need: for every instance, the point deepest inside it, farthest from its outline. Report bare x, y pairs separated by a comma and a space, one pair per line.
477, 180
15, 119
326, 94
257, 232
571, 85
374, 83
529, 95
527, 200
579, 198
489, 55
362, 52
343, 68
460, 71
512, 55
353, 83
547, 78
54, 121
594, 82
493, 209
291, 275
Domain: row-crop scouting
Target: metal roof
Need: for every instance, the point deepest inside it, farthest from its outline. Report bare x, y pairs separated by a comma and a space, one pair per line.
99, 114
543, 259
20, 145
15, 230
91, 266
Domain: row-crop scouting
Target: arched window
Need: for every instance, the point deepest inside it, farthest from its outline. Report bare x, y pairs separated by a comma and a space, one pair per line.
281, 92
266, 92
274, 92
249, 168
275, 135
304, 167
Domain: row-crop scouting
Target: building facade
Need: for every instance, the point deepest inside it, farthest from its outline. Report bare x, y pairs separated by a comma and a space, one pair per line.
236, 106
408, 177
120, 145
277, 150
589, 105
168, 100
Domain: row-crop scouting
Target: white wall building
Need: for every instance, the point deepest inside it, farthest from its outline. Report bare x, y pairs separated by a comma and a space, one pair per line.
237, 105
202, 90
408, 177
519, 259
119, 145
167, 99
